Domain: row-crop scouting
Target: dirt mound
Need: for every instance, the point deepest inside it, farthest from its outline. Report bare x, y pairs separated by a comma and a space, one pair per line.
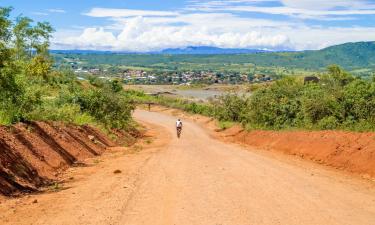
32, 155
350, 151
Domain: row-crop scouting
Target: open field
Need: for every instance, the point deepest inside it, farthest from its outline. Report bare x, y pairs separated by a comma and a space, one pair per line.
201, 92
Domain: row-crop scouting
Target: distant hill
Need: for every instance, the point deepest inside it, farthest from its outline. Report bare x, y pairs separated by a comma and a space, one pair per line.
77, 51
199, 50
193, 50
351, 56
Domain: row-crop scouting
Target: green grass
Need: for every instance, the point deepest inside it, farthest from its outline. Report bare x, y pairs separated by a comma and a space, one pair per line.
226, 124
5, 118
55, 187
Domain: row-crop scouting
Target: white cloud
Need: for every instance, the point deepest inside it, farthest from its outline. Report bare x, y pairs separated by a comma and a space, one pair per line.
222, 24
328, 5
306, 37
48, 11
56, 11
218, 22
300, 13
140, 35
40, 13
304, 9
90, 38
108, 12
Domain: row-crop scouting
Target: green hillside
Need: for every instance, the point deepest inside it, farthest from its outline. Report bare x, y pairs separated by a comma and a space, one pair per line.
358, 57
349, 56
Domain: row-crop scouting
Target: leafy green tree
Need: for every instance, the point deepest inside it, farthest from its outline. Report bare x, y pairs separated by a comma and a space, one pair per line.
22, 30
39, 67
317, 104
116, 86
277, 106
5, 35
112, 110
359, 100
337, 76
230, 107
18, 42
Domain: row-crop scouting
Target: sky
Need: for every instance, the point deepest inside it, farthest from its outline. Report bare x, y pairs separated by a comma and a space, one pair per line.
152, 25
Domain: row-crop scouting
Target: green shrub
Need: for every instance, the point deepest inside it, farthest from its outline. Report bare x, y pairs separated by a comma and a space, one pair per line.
230, 107
51, 111
359, 100
225, 124
328, 123
113, 110
6, 118
277, 106
318, 104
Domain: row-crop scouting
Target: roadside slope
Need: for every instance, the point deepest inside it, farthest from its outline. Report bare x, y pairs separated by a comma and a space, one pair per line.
348, 151
32, 155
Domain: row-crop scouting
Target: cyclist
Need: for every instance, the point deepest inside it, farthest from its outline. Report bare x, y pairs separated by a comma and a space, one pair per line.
178, 127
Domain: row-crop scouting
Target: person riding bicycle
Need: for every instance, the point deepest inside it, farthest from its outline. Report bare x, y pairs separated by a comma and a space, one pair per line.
178, 127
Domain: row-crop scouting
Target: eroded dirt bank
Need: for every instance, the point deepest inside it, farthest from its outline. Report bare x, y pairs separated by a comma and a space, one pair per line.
353, 152
33, 155
348, 151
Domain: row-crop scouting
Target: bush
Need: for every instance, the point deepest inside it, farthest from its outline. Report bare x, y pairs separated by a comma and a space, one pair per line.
225, 124
230, 107
359, 100
113, 110
318, 104
277, 106
328, 123
69, 113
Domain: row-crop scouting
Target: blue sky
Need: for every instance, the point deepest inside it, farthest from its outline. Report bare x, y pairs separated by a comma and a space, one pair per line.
147, 25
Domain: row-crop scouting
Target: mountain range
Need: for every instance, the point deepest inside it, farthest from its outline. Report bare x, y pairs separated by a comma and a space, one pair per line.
193, 50
351, 56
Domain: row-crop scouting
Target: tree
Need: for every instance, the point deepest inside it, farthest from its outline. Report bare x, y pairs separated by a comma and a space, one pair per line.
339, 75
5, 35
23, 56
21, 31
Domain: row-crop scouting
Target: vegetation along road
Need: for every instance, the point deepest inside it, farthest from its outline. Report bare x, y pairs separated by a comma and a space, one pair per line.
197, 180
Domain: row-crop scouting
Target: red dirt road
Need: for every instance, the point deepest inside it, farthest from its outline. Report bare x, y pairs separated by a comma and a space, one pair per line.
197, 180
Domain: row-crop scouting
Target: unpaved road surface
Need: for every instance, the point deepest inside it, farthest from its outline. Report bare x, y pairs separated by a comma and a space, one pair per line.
197, 180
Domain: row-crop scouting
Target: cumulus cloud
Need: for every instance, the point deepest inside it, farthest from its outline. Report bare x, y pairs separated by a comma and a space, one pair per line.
139, 35
223, 24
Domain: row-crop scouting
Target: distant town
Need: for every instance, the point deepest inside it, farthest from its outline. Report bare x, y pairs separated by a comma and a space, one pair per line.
131, 76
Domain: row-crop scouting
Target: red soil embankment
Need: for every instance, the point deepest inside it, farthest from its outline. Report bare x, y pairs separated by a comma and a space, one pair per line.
350, 151
32, 155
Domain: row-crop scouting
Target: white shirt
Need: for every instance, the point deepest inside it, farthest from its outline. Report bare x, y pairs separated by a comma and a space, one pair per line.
178, 123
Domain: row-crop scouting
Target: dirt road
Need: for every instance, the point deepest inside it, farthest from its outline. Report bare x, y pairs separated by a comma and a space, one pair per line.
197, 180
